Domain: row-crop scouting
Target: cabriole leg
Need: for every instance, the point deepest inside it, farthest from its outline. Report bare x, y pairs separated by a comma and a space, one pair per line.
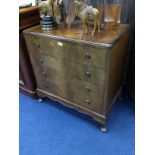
40, 99
103, 129
102, 123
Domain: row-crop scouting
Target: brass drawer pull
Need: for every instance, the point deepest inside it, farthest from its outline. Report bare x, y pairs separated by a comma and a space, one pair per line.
88, 101
88, 74
46, 85
87, 56
88, 89
44, 74
36, 45
40, 61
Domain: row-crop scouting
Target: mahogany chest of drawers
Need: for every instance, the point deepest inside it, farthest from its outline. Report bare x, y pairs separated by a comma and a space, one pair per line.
86, 73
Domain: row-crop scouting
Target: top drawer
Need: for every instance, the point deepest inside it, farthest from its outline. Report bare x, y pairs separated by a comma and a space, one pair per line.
75, 52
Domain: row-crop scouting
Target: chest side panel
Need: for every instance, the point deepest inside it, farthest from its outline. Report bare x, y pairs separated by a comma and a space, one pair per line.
116, 60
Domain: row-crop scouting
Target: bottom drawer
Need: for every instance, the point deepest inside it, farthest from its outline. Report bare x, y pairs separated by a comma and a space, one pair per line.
76, 91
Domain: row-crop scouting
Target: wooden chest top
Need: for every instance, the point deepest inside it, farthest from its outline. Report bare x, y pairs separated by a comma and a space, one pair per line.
107, 38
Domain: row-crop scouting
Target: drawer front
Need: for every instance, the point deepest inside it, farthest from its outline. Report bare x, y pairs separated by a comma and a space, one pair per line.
54, 68
76, 91
74, 52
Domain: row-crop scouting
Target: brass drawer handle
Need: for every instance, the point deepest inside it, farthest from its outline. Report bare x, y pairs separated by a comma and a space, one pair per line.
88, 74
36, 45
88, 89
44, 74
88, 101
46, 85
87, 56
40, 61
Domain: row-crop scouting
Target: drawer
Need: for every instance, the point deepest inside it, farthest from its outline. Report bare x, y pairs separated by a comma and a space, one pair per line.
54, 68
76, 91
74, 52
